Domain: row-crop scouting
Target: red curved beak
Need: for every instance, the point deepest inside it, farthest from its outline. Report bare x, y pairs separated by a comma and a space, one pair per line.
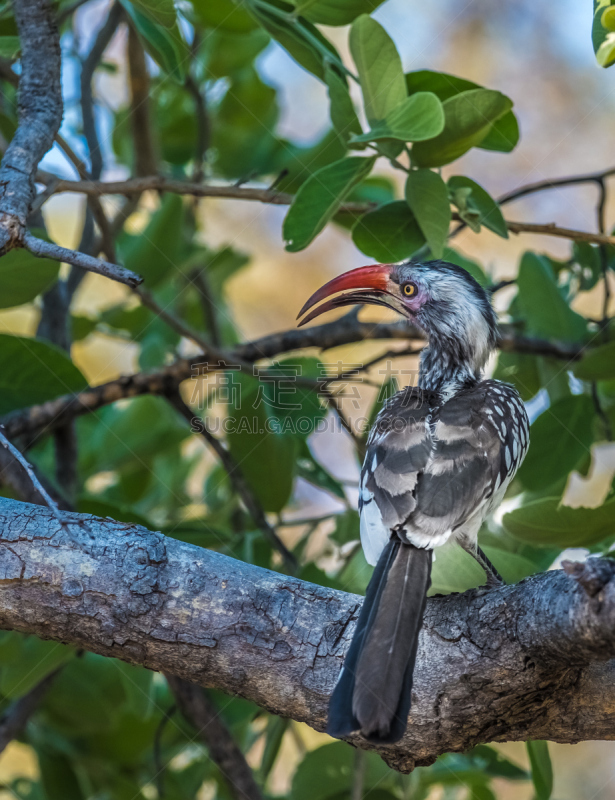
370, 282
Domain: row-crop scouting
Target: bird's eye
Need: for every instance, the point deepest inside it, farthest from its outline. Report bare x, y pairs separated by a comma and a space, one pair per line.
409, 289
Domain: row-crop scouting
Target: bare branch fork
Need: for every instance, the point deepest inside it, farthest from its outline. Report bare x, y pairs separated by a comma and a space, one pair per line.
40, 115
528, 661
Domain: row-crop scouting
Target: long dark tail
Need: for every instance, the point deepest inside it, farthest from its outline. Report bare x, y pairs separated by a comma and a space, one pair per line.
374, 689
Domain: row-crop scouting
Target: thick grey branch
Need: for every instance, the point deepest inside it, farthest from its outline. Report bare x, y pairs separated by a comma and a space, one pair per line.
40, 114
518, 662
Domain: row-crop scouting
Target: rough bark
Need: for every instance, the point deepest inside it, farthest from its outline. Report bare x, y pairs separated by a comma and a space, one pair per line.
40, 114
518, 662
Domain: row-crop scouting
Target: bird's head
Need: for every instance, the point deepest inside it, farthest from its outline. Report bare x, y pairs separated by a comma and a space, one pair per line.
441, 298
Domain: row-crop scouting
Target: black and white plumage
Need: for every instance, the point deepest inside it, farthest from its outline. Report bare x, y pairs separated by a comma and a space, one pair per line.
439, 460
435, 469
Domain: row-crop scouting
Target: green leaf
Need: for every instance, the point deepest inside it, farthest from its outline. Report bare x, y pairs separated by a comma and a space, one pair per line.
23, 277
33, 371
138, 684
165, 45
335, 12
489, 213
379, 66
160, 11
559, 438
473, 267
243, 125
265, 455
26, 660
310, 470
468, 119
87, 696
598, 364
58, 776
520, 369
224, 15
542, 771
440, 83
603, 38
388, 234
276, 728
454, 570
155, 253
301, 162
9, 46
587, 266
545, 310
297, 407
546, 522
347, 528
319, 198
427, 196
298, 37
343, 115
81, 327
328, 771
416, 118
494, 764
503, 134
225, 52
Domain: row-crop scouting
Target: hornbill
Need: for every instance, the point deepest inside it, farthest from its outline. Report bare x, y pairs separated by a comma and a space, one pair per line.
439, 459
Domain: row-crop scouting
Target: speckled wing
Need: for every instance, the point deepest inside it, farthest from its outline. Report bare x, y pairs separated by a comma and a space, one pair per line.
433, 469
398, 451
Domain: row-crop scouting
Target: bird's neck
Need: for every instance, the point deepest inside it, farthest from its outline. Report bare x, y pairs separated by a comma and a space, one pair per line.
445, 371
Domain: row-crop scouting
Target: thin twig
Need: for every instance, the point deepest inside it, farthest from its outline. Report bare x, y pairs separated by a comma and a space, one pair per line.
157, 750
205, 718
239, 483
203, 127
50, 502
49, 250
145, 161
176, 324
88, 68
604, 256
554, 183
200, 279
358, 775
155, 182
15, 718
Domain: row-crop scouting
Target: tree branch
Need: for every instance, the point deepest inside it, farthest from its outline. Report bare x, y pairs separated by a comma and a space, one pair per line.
164, 382
138, 185
49, 250
15, 719
529, 661
145, 161
202, 714
39, 111
40, 115
238, 480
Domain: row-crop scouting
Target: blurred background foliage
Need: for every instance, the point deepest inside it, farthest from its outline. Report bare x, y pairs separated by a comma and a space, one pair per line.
390, 107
